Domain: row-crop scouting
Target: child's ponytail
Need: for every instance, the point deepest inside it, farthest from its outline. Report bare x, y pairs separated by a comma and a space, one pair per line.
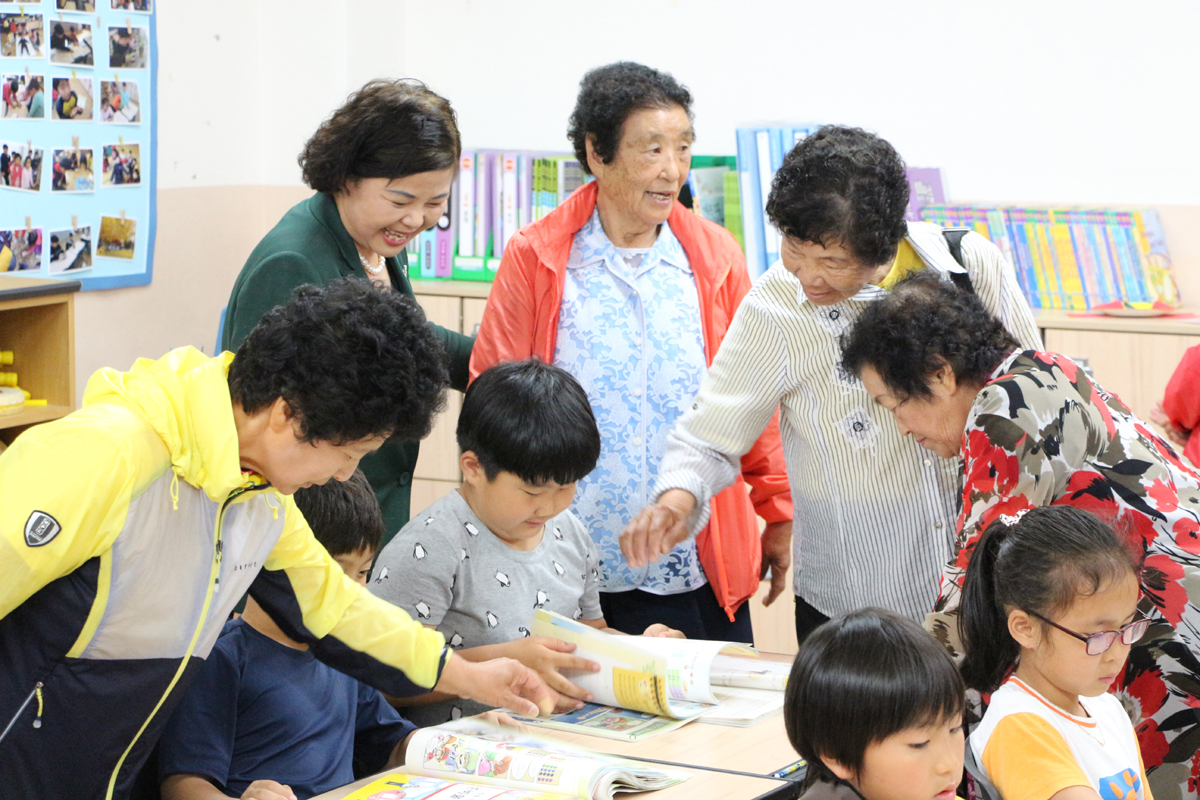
983, 621
1038, 562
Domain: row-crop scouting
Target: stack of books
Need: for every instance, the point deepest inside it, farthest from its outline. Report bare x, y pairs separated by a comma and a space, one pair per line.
499, 192
1076, 259
760, 152
496, 194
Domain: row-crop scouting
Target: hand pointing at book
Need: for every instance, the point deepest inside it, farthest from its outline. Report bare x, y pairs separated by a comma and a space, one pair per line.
500, 683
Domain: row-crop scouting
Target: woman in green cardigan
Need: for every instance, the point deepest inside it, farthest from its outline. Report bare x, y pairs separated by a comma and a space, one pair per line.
381, 167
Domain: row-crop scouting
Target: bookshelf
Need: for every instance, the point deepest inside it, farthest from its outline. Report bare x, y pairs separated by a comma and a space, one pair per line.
37, 322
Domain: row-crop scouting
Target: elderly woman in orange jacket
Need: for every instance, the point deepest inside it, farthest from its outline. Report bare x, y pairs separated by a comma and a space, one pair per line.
632, 293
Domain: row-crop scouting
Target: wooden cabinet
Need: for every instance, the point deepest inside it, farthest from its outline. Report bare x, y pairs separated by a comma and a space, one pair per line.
37, 323
458, 306
1132, 358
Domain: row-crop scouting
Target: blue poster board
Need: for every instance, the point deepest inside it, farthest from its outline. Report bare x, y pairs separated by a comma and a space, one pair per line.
80, 203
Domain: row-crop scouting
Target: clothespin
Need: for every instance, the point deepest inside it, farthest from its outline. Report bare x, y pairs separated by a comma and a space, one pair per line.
74, 222
60, 19
72, 73
27, 75
122, 215
120, 140
128, 24
28, 222
75, 142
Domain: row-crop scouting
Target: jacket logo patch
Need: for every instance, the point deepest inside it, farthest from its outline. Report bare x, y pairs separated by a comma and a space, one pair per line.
40, 528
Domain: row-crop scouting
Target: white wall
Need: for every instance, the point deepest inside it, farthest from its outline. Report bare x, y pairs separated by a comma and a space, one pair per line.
1030, 100
1062, 101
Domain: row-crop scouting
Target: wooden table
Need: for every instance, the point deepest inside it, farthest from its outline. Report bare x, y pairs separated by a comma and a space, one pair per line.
703, 785
758, 750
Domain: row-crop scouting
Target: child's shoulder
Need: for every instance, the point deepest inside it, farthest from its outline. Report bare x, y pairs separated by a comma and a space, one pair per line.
448, 519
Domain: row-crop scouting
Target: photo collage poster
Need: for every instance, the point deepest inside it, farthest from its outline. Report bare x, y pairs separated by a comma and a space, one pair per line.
78, 140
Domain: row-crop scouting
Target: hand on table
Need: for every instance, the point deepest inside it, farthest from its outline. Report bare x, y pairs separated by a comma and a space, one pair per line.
663, 632
776, 557
548, 655
501, 683
268, 790
658, 528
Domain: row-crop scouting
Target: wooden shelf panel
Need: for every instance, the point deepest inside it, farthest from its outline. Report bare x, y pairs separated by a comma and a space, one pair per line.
33, 415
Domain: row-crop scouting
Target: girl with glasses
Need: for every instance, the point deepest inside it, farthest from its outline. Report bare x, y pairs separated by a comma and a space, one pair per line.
1049, 614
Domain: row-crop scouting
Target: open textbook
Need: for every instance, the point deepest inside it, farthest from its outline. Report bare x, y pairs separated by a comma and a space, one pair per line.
472, 759
657, 676
748, 690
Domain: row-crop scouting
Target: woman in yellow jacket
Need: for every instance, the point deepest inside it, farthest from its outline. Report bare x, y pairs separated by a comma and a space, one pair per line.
130, 528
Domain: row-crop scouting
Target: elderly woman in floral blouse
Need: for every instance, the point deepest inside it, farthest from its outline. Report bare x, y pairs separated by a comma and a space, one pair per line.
632, 294
1032, 430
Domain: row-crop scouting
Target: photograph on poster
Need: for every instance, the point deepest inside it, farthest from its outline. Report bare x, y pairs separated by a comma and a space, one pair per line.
24, 96
128, 48
71, 43
118, 237
140, 6
119, 102
72, 99
70, 250
20, 250
75, 5
73, 171
20, 166
121, 165
21, 36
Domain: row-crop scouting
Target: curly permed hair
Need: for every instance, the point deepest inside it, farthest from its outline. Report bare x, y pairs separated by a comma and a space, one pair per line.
842, 186
351, 361
926, 322
387, 129
608, 95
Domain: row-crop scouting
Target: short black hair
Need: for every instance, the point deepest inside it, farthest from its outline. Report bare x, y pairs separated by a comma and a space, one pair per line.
344, 515
387, 129
531, 419
1040, 561
926, 321
608, 95
842, 186
861, 678
351, 361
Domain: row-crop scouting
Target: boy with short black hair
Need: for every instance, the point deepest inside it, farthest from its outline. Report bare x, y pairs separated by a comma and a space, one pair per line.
478, 562
263, 714
875, 706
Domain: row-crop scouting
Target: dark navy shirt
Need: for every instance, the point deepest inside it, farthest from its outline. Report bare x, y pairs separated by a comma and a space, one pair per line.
259, 710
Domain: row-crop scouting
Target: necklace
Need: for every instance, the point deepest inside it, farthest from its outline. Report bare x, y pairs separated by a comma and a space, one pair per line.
372, 270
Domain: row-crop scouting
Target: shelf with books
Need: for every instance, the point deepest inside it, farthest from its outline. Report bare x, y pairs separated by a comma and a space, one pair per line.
498, 192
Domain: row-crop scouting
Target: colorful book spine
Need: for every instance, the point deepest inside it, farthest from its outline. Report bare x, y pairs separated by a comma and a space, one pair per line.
508, 199
446, 236
483, 202
429, 254
466, 204
763, 141
733, 208
749, 186
1062, 255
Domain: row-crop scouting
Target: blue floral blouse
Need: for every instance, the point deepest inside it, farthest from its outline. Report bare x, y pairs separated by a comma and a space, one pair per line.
632, 336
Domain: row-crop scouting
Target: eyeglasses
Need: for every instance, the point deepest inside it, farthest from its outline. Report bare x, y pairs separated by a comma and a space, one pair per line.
1098, 643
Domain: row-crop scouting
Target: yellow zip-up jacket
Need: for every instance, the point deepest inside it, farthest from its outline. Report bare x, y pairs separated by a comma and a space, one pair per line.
128, 532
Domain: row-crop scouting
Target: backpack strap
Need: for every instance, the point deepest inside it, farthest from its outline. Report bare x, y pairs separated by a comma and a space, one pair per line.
954, 237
